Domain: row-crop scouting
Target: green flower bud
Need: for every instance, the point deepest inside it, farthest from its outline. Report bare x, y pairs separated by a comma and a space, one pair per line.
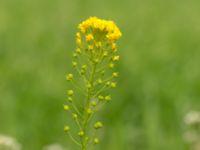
81, 133
101, 98
82, 72
105, 53
113, 85
108, 98
74, 64
75, 116
96, 61
78, 51
107, 83
111, 65
96, 141
75, 55
99, 81
84, 67
66, 128
89, 86
66, 107
115, 74
93, 103
98, 125
69, 77
89, 111
70, 99
70, 92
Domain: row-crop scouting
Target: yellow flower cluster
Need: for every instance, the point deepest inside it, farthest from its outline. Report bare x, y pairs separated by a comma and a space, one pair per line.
106, 26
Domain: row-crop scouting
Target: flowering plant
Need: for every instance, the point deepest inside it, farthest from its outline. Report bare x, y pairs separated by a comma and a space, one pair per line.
93, 61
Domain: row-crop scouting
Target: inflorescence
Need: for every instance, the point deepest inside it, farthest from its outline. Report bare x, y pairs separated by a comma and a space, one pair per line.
94, 61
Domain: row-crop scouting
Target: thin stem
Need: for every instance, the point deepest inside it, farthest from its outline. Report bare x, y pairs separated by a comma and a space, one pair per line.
72, 138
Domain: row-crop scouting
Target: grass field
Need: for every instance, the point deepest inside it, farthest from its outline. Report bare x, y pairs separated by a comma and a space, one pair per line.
159, 70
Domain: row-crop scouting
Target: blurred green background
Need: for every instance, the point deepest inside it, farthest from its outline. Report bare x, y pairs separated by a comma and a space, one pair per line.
159, 70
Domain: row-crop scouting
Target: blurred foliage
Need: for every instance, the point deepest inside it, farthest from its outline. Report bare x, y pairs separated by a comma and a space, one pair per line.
159, 70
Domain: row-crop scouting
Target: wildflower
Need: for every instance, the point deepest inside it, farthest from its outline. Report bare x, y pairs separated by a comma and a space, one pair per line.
93, 59
115, 58
108, 27
89, 37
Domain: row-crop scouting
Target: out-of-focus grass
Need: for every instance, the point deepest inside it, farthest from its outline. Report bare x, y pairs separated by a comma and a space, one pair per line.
159, 70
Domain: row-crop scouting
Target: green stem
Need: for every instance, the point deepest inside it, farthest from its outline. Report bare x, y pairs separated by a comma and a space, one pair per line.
84, 141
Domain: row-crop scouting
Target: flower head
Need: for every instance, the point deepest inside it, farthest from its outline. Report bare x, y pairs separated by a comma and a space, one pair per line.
108, 28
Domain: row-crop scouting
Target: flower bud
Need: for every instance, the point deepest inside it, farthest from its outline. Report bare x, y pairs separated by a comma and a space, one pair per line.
101, 98
113, 85
115, 74
74, 64
105, 54
66, 107
89, 111
75, 55
98, 125
70, 92
81, 133
75, 116
108, 98
78, 51
70, 99
66, 128
96, 141
84, 67
69, 77
93, 103
111, 65
107, 83
99, 81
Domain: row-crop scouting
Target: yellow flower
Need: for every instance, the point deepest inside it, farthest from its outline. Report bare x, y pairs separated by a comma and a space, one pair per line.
89, 37
105, 26
115, 58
